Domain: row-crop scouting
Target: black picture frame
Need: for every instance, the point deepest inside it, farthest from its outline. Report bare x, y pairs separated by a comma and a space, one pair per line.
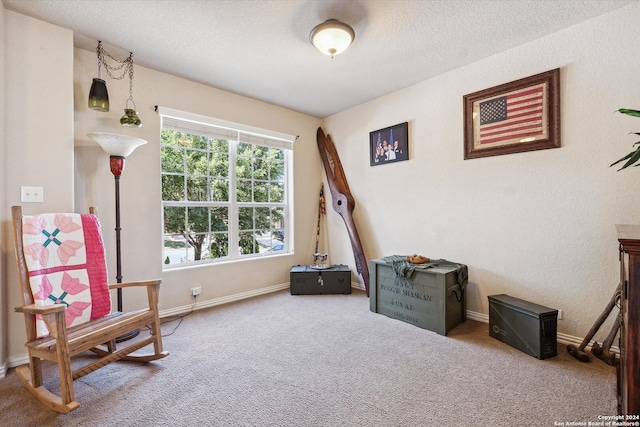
389, 145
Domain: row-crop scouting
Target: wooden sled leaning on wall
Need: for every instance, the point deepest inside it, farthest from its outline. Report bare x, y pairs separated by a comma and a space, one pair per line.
61, 256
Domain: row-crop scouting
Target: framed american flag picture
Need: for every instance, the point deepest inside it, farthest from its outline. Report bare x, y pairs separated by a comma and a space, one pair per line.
523, 115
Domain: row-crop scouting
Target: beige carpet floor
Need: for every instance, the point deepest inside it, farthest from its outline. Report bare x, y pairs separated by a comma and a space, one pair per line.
326, 360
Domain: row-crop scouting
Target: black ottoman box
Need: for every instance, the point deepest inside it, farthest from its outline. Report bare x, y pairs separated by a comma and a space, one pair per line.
305, 280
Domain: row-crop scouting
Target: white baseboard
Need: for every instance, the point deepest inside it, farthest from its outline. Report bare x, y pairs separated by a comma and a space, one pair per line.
176, 311
22, 359
16, 360
562, 338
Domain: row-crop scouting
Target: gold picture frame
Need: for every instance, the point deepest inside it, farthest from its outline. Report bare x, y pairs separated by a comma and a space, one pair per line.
523, 115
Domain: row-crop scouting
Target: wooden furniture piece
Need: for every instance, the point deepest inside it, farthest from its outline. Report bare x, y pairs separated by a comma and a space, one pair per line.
63, 342
342, 200
629, 369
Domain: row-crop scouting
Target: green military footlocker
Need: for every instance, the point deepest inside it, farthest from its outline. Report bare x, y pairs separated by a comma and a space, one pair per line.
430, 296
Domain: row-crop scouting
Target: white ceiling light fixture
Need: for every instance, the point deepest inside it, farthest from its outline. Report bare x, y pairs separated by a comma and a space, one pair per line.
332, 37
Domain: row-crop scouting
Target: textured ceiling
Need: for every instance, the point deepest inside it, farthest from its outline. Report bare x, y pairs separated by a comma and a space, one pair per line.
261, 49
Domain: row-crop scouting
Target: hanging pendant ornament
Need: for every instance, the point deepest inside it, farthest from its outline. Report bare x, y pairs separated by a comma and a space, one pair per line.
130, 118
98, 96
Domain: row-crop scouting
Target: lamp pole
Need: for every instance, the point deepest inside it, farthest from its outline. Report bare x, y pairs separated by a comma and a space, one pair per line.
117, 167
118, 147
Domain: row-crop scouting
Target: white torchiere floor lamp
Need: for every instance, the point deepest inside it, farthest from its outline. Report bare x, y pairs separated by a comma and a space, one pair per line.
118, 147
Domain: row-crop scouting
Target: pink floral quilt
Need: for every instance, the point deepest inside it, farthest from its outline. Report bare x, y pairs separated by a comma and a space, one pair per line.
67, 265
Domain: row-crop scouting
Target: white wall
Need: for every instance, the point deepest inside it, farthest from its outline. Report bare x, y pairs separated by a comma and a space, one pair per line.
38, 61
536, 225
141, 188
47, 89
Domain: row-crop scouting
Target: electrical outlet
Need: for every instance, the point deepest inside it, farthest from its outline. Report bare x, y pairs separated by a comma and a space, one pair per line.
559, 314
196, 291
31, 194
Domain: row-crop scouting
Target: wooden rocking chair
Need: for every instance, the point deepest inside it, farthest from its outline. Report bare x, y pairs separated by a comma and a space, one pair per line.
61, 257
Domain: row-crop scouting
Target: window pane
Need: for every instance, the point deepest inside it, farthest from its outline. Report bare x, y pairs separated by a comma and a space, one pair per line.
277, 220
243, 191
276, 193
260, 169
277, 171
244, 167
219, 219
262, 220
260, 151
219, 165
245, 216
248, 244
171, 137
198, 220
244, 149
176, 250
199, 141
172, 159
220, 190
277, 225
261, 192
219, 246
175, 220
197, 242
197, 189
220, 145
197, 162
276, 154
172, 187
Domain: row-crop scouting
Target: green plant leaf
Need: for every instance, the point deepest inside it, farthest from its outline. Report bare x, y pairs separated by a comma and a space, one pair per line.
634, 158
622, 159
635, 113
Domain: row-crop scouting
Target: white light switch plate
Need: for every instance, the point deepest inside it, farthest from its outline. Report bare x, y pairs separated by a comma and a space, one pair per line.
31, 194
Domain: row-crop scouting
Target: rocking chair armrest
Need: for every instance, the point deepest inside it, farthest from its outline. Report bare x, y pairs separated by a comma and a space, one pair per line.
147, 283
41, 309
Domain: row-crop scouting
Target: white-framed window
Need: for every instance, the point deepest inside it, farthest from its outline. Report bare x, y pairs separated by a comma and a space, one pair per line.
226, 190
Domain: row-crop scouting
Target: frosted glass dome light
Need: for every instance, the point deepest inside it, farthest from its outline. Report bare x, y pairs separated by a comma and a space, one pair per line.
332, 37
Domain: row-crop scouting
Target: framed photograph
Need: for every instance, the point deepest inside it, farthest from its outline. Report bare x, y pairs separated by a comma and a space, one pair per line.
389, 145
523, 115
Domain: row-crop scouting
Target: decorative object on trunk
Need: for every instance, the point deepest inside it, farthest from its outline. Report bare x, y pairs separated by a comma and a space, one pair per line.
320, 261
417, 259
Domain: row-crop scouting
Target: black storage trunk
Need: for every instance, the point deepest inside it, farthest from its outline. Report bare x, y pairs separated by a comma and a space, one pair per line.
529, 327
305, 280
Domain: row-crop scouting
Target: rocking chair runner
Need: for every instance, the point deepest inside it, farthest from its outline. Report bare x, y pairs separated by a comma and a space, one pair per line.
66, 303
